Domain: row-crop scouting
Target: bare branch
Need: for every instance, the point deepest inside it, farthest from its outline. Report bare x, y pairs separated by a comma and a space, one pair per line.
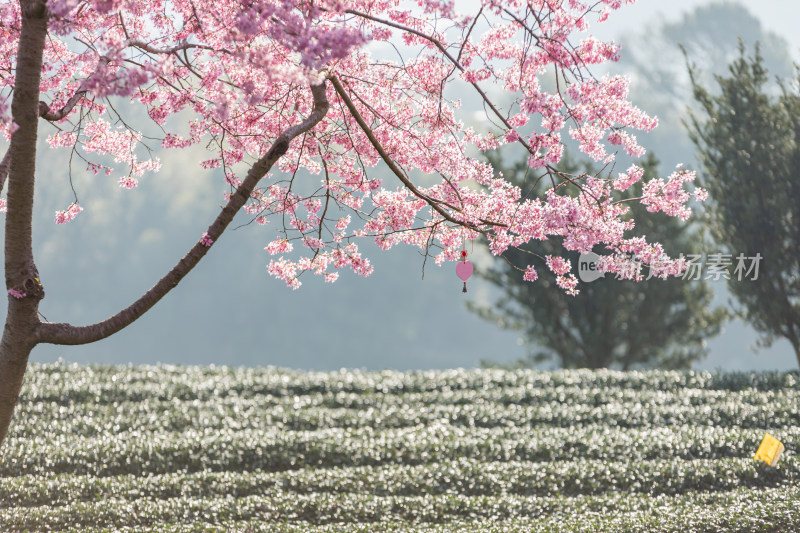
61, 333
55, 116
141, 45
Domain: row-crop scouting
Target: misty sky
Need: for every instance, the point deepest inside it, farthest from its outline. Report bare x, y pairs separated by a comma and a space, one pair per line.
779, 16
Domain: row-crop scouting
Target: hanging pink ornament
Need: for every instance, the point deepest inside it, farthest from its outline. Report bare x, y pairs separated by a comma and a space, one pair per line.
464, 269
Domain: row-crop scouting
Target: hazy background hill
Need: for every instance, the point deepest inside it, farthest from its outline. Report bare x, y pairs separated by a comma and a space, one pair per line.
229, 311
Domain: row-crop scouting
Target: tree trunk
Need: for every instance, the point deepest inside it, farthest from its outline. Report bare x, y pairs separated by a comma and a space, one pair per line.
14, 352
22, 278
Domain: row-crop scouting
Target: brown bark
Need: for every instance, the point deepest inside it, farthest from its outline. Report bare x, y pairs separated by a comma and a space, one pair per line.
19, 335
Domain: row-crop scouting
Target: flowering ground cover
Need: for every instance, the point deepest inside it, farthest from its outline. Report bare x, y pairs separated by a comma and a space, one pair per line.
170, 448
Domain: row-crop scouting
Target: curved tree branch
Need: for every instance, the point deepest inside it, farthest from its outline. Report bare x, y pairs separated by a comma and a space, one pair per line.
436, 205
146, 47
54, 116
59, 333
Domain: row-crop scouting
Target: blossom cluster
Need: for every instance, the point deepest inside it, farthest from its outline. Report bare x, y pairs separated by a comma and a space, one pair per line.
391, 160
62, 217
17, 294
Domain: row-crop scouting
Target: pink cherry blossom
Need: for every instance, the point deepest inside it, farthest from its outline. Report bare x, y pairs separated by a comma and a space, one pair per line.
279, 246
569, 283
392, 159
558, 265
62, 217
128, 182
17, 294
632, 175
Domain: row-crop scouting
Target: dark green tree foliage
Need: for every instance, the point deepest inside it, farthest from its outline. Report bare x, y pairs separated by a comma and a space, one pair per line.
748, 146
611, 323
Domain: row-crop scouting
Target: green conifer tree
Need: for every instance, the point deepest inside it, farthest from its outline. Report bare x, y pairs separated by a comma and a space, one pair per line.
611, 323
749, 147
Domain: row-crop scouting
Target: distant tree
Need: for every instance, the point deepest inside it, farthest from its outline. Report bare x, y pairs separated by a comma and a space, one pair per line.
660, 323
749, 147
709, 34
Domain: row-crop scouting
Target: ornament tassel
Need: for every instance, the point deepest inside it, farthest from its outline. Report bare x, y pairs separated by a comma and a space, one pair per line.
464, 269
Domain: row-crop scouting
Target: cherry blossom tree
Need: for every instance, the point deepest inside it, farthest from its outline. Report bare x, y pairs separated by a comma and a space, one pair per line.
278, 91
